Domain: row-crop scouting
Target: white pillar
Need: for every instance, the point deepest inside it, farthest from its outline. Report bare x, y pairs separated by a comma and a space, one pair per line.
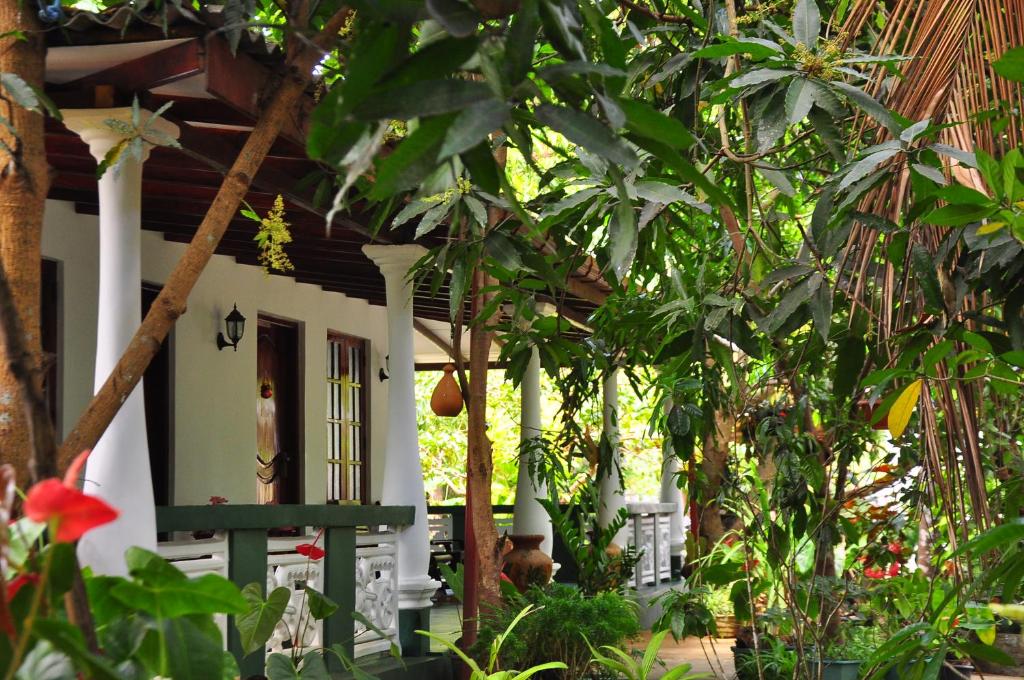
403, 472
118, 469
610, 483
529, 517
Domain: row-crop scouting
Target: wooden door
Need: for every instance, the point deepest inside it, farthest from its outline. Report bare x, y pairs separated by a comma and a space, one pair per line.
278, 404
158, 396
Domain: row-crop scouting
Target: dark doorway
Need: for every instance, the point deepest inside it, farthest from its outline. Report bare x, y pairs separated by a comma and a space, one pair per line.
49, 332
156, 382
278, 405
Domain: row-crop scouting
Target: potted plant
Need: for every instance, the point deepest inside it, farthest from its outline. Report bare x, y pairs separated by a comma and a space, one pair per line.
842, 658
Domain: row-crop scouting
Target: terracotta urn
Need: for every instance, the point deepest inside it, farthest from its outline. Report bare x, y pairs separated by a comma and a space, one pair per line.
446, 401
526, 564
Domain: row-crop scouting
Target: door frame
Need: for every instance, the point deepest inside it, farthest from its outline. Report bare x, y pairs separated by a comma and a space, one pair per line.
264, 319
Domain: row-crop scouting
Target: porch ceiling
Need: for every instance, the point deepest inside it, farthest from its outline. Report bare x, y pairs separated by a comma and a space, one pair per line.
105, 60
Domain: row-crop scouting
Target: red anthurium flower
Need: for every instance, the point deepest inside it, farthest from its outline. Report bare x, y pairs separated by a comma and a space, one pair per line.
62, 505
311, 551
19, 581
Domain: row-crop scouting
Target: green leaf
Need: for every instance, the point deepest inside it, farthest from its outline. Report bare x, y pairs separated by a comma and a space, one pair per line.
413, 160
924, 268
758, 76
472, 126
482, 167
821, 309
1011, 64
520, 41
256, 625
865, 166
799, 100
503, 251
585, 130
422, 99
789, 304
1005, 535
458, 18
280, 667
43, 662
806, 22
111, 158
23, 94
849, 363
320, 606
622, 234
645, 120
190, 652
313, 667
958, 215
757, 48
869, 105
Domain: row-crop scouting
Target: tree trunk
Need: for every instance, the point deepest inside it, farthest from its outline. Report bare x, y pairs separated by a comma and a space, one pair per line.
24, 183
171, 302
715, 456
479, 464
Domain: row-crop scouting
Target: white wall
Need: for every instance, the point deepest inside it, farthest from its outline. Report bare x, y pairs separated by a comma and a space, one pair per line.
215, 392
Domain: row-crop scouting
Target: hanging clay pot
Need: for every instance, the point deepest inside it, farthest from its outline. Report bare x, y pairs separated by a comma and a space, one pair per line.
446, 401
526, 564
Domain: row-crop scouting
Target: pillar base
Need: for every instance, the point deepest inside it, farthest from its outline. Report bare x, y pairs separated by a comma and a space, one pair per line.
417, 593
410, 621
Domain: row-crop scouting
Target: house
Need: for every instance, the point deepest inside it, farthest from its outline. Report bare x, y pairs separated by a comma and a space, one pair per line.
312, 404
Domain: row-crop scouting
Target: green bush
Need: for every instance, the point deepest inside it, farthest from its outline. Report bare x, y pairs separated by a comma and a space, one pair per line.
564, 621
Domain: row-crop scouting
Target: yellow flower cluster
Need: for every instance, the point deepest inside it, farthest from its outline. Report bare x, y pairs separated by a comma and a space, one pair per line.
462, 186
272, 236
820, 63
761, 12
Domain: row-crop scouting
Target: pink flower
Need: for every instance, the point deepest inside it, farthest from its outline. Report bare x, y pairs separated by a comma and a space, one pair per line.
894, 569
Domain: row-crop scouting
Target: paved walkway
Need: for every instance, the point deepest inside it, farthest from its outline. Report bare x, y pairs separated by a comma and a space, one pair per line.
704, 654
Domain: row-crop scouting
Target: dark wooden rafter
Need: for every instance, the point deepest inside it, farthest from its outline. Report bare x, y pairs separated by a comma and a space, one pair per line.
179, 185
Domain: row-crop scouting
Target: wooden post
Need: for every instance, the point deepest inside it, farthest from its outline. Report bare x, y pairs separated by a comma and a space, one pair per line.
247, 563
340, 586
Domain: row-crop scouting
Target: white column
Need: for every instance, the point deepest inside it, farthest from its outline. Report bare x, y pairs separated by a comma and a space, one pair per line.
610, 483
403, 472
529, 517
118, 469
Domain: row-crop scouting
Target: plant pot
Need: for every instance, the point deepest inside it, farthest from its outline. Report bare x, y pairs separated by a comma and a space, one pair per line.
962, 670
526, 564
836, 669
726, 625
1011, 644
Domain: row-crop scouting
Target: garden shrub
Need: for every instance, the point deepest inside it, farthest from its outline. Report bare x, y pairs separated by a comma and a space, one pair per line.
560, 628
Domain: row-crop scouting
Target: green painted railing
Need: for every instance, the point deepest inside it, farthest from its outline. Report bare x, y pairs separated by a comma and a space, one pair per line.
247, 526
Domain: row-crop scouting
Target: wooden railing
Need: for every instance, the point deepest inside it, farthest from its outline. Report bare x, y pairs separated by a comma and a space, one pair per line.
245, 559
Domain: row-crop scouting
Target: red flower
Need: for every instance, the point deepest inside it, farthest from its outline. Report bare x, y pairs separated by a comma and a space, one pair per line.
218, 500
64, 507
750, 565
874, 572
894, 569
896, 548
311, 551
19, 581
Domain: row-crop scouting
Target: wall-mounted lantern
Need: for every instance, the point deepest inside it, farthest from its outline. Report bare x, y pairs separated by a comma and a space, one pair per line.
234, 324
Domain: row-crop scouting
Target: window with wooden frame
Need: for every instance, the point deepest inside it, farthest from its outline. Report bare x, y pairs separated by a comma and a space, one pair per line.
347, 456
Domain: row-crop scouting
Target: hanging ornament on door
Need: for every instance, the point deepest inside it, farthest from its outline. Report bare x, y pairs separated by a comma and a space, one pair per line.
266, 391
446, 401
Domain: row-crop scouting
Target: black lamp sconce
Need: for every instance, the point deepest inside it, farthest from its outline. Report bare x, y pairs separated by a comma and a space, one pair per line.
382, 375
234, 323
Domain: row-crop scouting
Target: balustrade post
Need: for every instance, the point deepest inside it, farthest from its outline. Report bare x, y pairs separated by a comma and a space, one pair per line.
247, 563
340, 586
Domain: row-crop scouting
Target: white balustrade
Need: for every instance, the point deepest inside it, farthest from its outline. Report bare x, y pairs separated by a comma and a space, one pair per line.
649, 533
376, 593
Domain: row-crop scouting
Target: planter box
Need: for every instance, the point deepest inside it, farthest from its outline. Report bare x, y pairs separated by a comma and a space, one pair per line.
834, 669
